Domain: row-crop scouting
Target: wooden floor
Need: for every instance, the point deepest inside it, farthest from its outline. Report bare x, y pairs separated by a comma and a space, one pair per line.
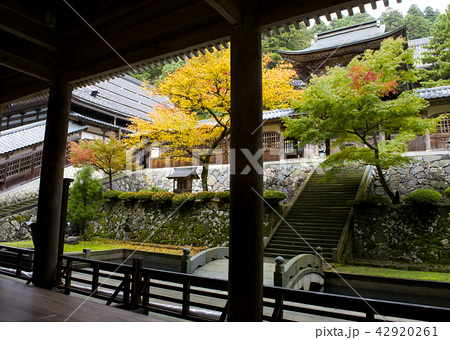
21, 302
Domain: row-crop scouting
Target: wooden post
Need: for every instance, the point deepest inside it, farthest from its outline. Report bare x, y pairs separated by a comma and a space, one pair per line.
52, 172
2, 109
245, 290
62, 224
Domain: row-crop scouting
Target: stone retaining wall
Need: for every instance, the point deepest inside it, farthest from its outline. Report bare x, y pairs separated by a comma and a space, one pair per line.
405, 233
283, 176
430, 170
198, 225
14, 228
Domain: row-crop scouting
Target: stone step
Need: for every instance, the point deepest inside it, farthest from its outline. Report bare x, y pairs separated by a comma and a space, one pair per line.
317, 217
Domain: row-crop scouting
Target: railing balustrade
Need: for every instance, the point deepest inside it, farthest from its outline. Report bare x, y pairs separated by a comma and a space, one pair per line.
199, 298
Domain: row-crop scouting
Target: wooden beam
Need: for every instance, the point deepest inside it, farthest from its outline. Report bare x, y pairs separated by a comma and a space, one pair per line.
26, 66
228, 9
27, 29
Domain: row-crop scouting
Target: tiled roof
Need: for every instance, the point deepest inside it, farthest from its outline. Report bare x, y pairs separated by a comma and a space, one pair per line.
29, 135
278, 114
97, 121
341, 37
419, 48
434, 92
122, 95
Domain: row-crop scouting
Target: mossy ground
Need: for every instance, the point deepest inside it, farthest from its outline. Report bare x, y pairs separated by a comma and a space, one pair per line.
102, 244
394, 273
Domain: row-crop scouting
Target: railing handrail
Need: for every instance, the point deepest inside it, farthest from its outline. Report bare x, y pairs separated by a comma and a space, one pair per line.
339, 250
287, 275
130, 286
285, 298
190, 264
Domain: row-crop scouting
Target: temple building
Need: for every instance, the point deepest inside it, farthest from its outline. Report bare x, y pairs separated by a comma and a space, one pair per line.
340, 46
96, 111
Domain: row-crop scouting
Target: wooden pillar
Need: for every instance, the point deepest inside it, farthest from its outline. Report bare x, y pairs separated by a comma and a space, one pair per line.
2, 109
245, 291
52, 172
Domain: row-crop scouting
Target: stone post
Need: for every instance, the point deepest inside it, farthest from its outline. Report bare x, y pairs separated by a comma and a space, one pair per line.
279, 276
186, 261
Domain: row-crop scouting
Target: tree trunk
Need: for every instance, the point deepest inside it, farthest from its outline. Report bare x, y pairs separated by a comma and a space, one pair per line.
205, 171
110, 181
393, 196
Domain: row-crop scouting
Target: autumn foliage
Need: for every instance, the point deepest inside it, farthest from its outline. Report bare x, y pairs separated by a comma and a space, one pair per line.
199, 118
107, 156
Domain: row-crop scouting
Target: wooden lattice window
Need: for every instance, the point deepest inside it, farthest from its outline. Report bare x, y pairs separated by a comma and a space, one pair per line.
444, 126
271, 139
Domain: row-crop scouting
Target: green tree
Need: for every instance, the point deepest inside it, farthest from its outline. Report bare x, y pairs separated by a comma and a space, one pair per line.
417, 25
357, 18
157, 74
431, 14
350, 106
288, 41
392, 19
84, 196
438, 54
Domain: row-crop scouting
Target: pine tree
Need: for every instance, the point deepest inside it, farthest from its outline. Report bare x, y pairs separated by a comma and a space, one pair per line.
85, 194
438, 54
392, 19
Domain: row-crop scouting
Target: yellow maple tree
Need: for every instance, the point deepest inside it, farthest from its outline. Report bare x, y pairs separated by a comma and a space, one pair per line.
198, 118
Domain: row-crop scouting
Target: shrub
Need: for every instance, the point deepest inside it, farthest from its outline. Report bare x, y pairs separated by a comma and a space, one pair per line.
423, 196
128, 195
186, 197
205, 196
223, 196
112, 195
145, 195
154, 188
273, 197
447, 192
163, 196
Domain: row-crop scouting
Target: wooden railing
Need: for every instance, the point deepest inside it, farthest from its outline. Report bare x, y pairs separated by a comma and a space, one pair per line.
23, 168
16, 262
198, 298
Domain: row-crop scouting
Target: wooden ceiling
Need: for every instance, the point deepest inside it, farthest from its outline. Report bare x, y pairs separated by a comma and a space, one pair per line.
106, 38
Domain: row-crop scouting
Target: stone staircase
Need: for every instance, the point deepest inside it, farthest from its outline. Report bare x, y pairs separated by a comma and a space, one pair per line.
318, 216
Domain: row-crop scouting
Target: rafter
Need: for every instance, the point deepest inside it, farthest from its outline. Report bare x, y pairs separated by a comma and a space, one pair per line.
23, 65
28, 29
228, 9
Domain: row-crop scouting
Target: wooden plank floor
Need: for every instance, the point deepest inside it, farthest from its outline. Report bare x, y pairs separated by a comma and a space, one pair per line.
21, 302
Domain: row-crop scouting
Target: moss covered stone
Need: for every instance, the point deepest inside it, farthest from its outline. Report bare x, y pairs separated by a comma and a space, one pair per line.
203, 224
